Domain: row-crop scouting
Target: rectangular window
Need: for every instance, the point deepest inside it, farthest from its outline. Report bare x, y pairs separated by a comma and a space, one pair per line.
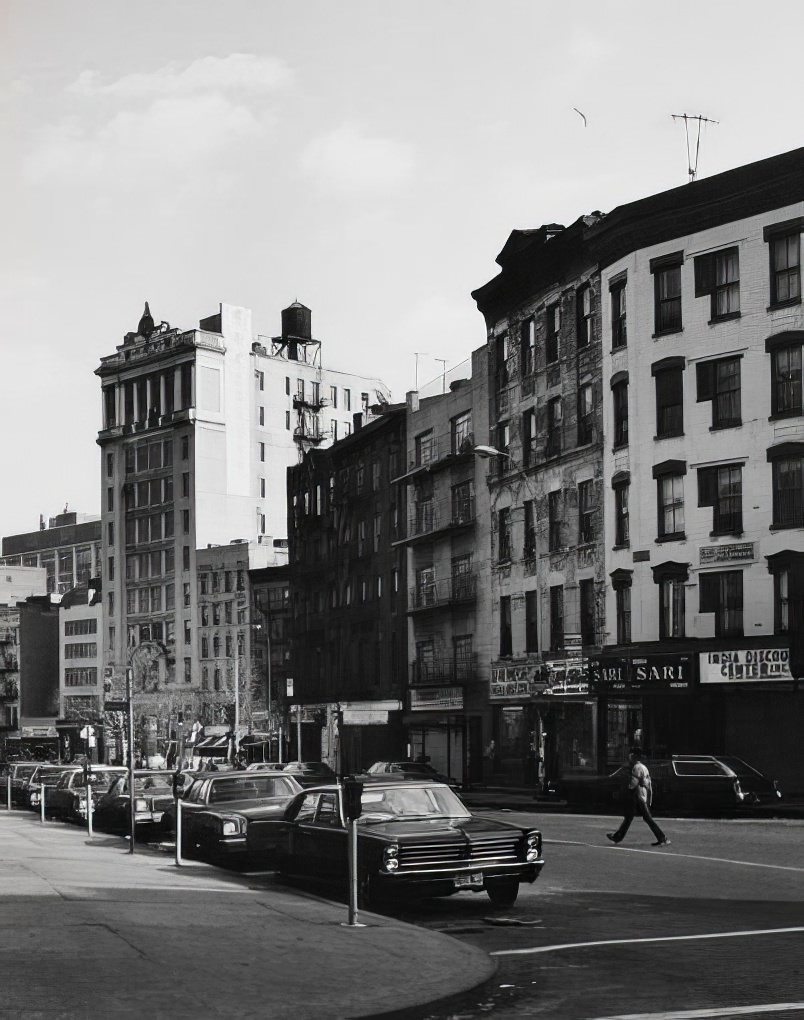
717, 275
788, 492
261, 380
721, 487
506, 635
719, 381
671, 506
586, 510
671, 607
554, 520
109, 465
333, 396
262, 488
527, 337
669, 402
781, 601
586, 592
110, 499
785, 268
786, 394
619, 336
261, 447
554, 419
529, 438
504, 535
552, 330
425, 446
585, 411
583, 300
556, 618
461, 433
667, 294
532, 621
619, 394
347, 400
185, 447
721, 593
622, 598
262, 415
530, 529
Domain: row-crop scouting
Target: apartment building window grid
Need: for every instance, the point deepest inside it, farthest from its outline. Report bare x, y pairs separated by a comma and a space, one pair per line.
553, 329
586, 511
721, 487
461, 432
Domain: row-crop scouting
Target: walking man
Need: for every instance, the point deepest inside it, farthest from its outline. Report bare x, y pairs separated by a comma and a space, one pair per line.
638, 796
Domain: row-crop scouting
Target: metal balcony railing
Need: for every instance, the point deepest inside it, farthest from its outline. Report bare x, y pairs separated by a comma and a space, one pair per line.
429, 515
446, 592
443, 670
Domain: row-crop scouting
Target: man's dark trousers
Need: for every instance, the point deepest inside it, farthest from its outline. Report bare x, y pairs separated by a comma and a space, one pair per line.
634, 805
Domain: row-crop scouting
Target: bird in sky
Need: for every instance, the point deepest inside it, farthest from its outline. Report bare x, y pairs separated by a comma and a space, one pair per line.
583, 116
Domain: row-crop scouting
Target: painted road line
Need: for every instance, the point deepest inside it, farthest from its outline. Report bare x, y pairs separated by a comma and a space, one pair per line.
634, 942
701, 1014
675, 854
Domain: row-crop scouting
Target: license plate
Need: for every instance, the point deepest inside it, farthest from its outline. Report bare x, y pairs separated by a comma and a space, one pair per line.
474, 880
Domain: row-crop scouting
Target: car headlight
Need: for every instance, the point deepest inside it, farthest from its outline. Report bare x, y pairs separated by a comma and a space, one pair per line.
390, 857
533, 846
231, 827
140, 804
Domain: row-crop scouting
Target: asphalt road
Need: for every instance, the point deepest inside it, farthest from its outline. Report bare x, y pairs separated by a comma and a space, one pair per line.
711, 926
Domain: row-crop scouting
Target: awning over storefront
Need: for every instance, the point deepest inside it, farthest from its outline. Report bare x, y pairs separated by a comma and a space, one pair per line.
216, 746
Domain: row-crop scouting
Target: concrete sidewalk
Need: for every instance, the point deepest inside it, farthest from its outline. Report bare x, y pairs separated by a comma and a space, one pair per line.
89, 931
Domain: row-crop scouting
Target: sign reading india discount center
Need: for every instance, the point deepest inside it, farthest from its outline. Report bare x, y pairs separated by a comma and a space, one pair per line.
746, 665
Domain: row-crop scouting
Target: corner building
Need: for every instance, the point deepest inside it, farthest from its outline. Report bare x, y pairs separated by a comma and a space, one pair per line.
704, 464
545, 491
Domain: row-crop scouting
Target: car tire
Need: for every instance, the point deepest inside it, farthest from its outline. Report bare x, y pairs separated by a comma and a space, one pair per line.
502, 891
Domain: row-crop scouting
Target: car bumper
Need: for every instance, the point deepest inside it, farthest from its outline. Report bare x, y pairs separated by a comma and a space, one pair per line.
466, 876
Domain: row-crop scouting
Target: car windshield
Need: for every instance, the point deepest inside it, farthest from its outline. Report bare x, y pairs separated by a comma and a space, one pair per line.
49, 778
97, 778
699, 768
25, 771
255, 787
412, 802
742, 768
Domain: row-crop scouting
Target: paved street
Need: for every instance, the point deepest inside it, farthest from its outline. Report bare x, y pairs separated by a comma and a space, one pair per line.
711, 925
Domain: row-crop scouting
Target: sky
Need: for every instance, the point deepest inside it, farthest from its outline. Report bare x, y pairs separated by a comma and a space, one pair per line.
368, 158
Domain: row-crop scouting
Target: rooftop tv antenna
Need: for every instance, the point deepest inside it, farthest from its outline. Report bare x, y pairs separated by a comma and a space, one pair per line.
686, 117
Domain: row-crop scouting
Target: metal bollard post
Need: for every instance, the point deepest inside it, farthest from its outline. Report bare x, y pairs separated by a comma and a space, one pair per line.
42, 801
8, 777
178, 832
89, 810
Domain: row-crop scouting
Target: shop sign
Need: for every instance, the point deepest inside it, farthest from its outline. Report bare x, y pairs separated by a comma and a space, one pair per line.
429, 699
732, 552
745, 665
643, 672
39, 731
557, 677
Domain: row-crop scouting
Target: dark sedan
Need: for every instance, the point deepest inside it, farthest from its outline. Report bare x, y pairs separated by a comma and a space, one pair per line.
684, 783
153, 794
415, 838
46, 776
218, 808
68, 799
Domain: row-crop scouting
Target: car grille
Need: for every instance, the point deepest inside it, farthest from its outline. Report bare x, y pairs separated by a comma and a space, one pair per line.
478, 851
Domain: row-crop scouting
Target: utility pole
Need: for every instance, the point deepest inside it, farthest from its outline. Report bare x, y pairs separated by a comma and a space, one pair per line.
443, 363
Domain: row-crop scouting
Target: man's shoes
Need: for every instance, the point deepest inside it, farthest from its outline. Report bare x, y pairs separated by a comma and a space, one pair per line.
661, 842
612, 837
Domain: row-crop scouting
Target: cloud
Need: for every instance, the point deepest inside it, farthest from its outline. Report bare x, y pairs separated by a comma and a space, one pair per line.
136, 145
347, 160
243, 73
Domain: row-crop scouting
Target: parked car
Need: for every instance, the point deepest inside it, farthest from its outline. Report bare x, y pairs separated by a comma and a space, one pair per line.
415, 837
153, 793
45, 776
217, 810
68, 801
310, 773
411, 770
20, 772
683, 783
